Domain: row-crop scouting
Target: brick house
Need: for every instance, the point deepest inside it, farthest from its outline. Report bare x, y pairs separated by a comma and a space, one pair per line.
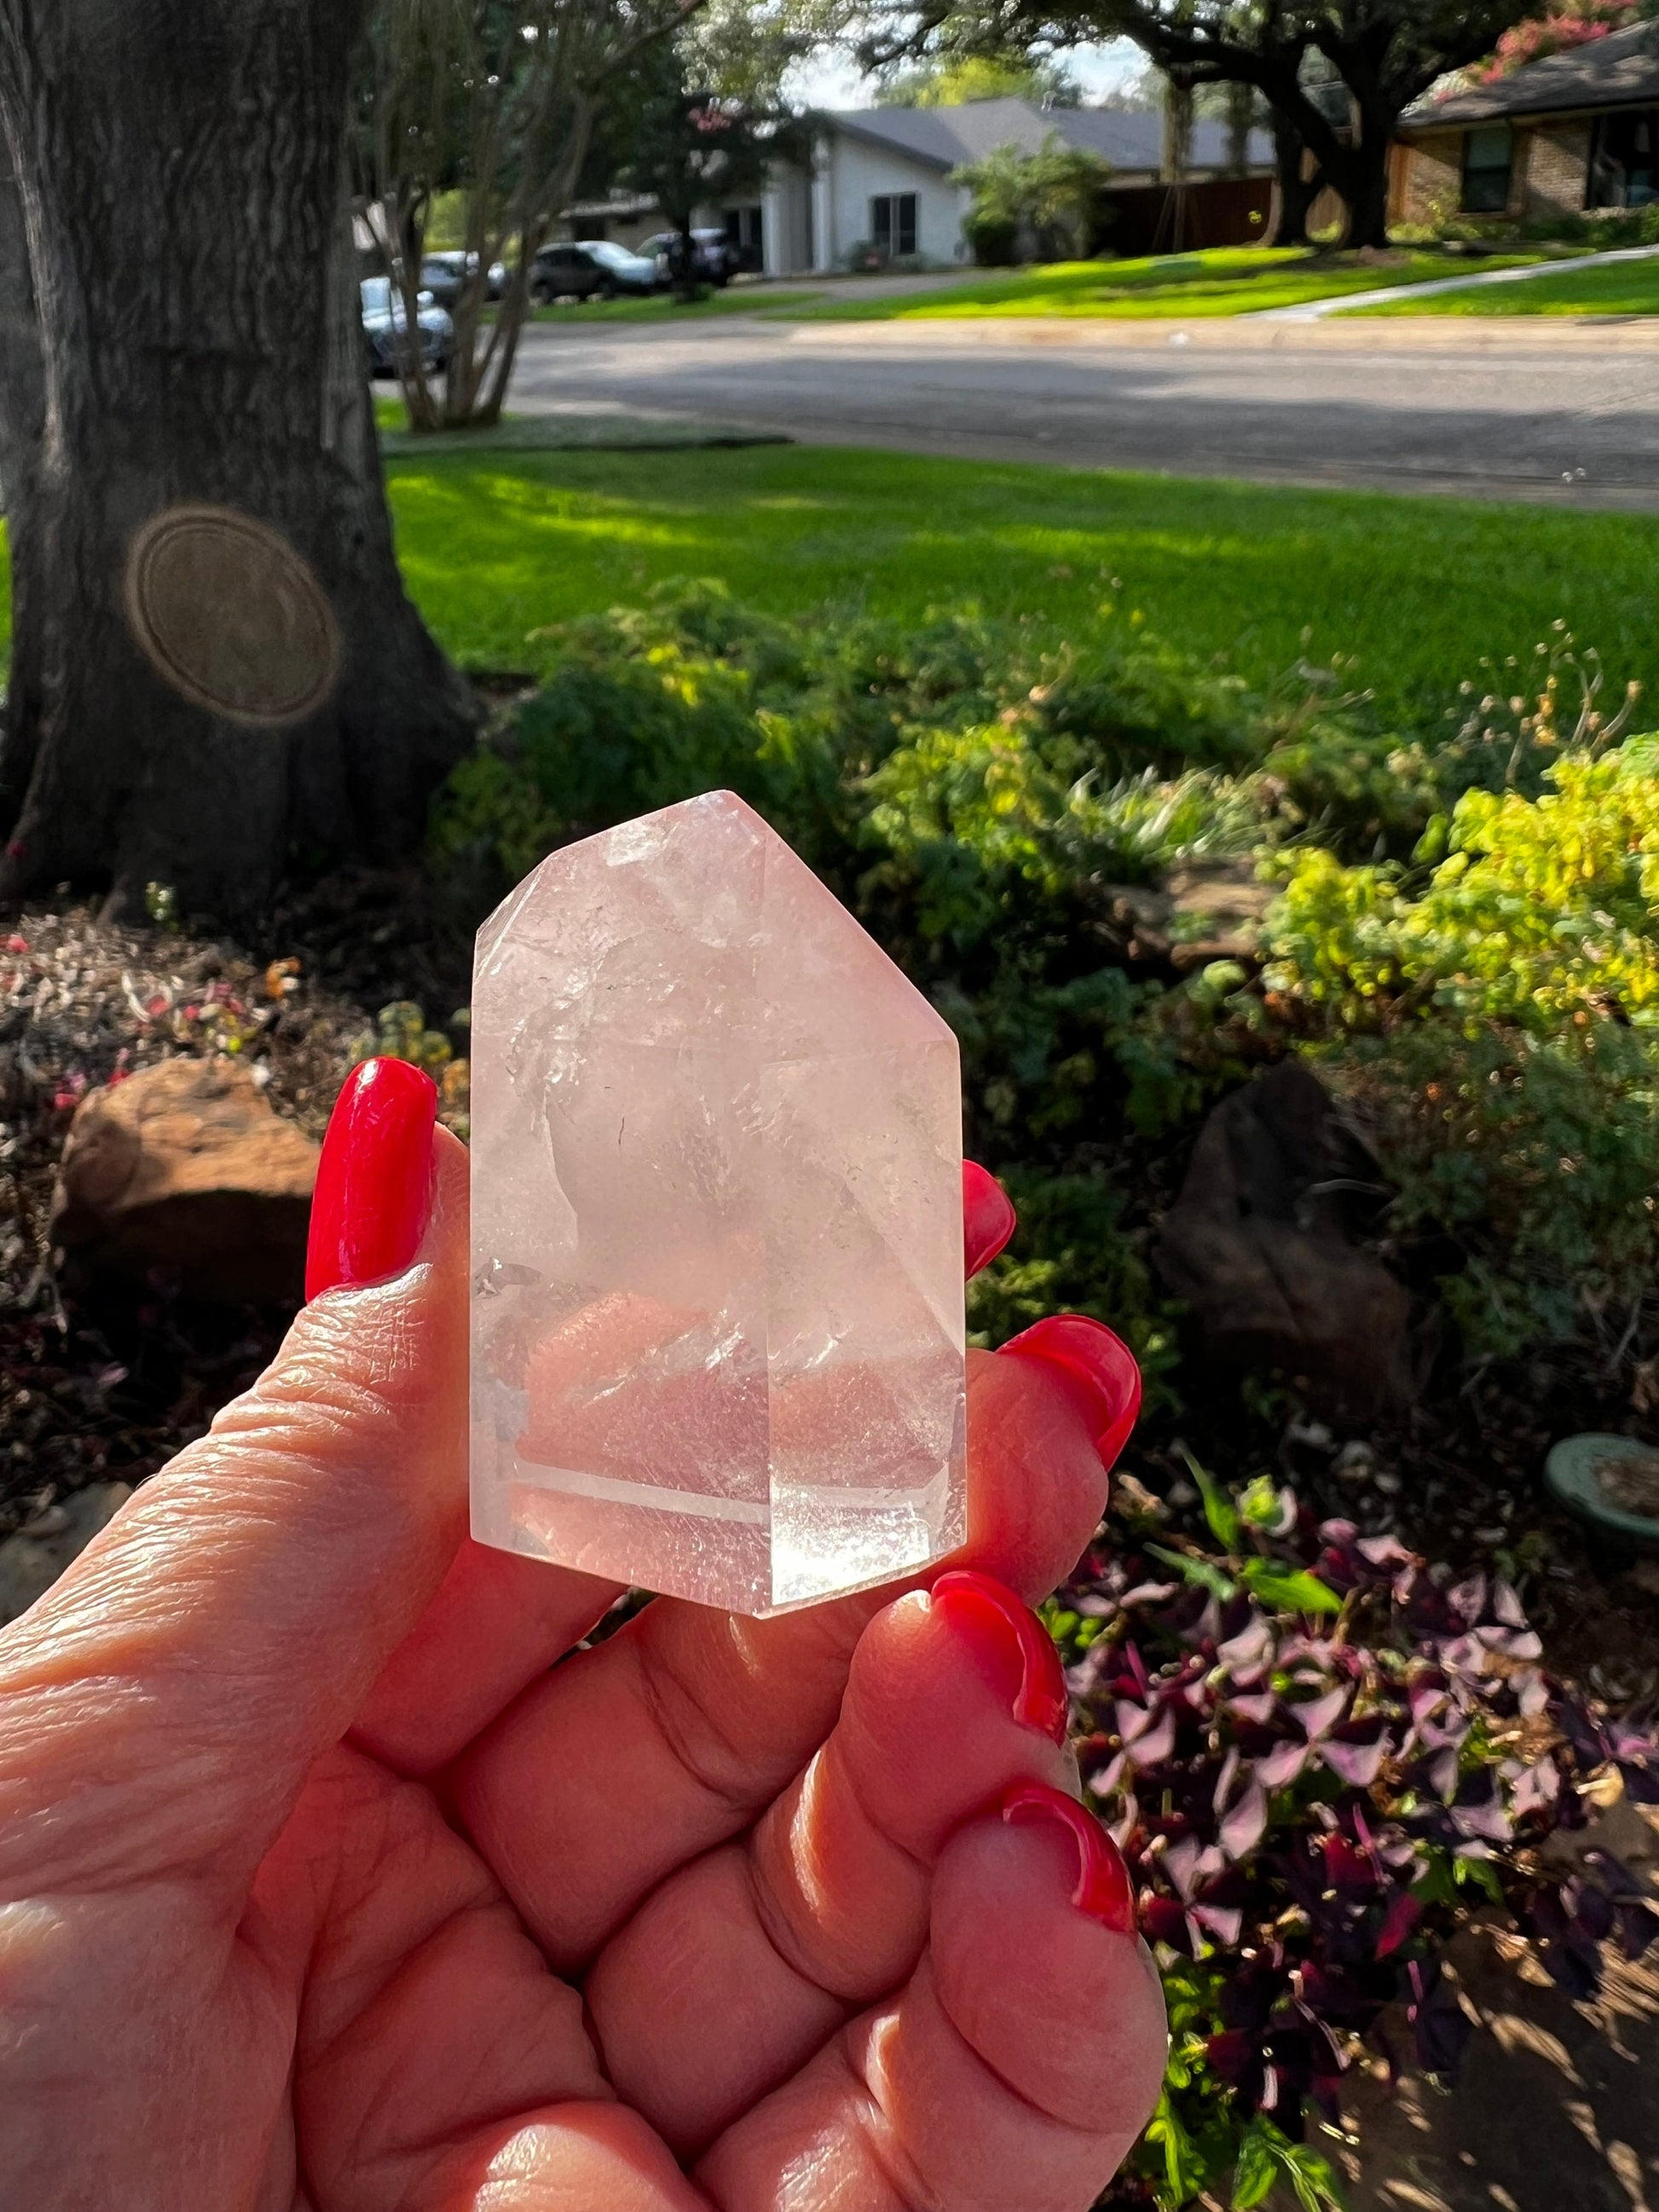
1575, 132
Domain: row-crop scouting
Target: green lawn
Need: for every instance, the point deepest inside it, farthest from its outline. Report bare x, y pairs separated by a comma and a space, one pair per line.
497, 545
1627, 287
660, 307
1225, 280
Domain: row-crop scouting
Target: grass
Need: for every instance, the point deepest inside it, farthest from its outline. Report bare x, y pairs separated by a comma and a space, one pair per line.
1224, 281
660, 307
1627, 287
496, 547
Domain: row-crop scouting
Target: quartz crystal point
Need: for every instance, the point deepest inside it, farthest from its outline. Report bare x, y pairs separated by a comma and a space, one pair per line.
717, 1293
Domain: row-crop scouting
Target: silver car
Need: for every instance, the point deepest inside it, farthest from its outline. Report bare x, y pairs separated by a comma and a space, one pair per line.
384, 323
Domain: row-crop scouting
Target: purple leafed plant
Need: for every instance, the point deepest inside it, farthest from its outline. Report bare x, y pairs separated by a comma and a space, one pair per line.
1319, 1754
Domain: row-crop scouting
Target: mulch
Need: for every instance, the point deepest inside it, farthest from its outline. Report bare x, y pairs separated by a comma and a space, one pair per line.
102, 1381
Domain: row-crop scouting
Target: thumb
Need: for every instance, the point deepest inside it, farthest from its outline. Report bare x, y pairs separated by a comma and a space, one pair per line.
167, 1697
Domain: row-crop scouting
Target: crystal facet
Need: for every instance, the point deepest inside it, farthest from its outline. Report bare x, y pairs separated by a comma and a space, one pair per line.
717, 1285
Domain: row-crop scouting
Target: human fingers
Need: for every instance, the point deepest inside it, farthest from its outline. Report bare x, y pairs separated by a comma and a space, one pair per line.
185, 1673
577, 2157
501, 1620
1013, 2071
704, 1716
778, 1937
988, 1217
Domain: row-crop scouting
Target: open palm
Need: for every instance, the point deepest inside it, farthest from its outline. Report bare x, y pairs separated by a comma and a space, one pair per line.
319, 1889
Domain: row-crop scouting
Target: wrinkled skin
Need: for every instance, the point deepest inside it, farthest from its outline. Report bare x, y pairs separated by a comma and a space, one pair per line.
319, 1890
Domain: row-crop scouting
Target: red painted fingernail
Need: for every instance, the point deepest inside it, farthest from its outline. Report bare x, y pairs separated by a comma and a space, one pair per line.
1098, 1369
374, 1180
987, 1216
1103, 1890
1012, 1644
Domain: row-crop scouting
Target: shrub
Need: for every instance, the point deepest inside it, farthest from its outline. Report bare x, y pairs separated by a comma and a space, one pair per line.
1463, 937
1049, 200
1495, 1019
993, 239
971, 799
1318, 1755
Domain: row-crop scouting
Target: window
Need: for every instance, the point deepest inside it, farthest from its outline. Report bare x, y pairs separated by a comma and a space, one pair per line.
893, 223
1488, 153
1625, 165
744, 236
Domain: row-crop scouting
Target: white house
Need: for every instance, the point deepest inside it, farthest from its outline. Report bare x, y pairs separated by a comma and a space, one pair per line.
881, 176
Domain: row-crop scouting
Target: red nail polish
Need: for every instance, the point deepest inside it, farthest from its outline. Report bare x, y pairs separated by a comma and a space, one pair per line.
1010, 1643
988, 1216
1098, 1369
1103, 1890
374, 1193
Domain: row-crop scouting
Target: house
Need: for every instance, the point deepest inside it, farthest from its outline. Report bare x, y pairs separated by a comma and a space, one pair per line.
881, 177
1575, 132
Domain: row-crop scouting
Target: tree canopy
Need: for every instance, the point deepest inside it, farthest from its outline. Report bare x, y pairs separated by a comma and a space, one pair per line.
1376, 56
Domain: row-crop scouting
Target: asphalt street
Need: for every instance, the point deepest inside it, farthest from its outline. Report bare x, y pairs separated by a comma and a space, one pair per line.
1565, 412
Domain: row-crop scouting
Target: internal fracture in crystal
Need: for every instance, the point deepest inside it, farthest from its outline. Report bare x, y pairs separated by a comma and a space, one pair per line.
717, 1286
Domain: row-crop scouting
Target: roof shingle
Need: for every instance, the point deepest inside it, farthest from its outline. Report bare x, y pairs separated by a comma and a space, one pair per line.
1620, 70
946, 137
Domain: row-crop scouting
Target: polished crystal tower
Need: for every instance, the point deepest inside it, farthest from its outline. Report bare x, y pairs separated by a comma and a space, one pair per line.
717, 1279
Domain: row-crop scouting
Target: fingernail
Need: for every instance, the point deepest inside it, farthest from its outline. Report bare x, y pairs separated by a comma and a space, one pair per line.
374, 1180
1010, 1643
987, 1216
1103, 1889
1096, 1369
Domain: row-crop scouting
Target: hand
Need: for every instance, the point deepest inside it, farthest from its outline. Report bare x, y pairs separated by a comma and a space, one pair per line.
319, 1890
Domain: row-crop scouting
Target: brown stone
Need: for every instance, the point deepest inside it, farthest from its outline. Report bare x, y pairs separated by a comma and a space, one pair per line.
185, 1166
1263, 1244
1206, 910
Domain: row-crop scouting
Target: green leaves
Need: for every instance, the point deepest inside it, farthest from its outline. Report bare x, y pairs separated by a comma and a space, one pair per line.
1194, 1569
1256, 1513
1282, 1592
1223, 1515
1266, 2158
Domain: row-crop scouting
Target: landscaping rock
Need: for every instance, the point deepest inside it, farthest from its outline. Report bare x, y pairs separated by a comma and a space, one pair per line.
185, 1166
1263, 1244
32, 1560
1206, 910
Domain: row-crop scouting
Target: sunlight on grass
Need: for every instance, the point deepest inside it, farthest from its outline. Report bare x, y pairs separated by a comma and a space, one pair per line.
660, 307
1626, 288
1225, 280
1419, 590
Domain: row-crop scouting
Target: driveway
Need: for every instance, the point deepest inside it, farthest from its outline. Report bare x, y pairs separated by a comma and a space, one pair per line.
1566, 413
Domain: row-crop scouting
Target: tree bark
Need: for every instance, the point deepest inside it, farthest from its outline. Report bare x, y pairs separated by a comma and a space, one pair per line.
269, 697
1365, 190
1294, 194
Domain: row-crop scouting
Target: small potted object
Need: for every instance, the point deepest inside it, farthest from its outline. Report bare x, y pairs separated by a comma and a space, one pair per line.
1613, 1483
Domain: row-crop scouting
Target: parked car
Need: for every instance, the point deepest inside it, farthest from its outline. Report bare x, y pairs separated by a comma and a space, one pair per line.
384, 321
591, 268
717, 258
443, 275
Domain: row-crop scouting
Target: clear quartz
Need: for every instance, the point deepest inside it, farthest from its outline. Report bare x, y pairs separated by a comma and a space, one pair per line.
717, 1293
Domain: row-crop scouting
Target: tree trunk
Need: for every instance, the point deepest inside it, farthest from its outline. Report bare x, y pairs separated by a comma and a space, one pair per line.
1294, 193
222, 675
1177, 127
22, 417
1364, 184
1240, 114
